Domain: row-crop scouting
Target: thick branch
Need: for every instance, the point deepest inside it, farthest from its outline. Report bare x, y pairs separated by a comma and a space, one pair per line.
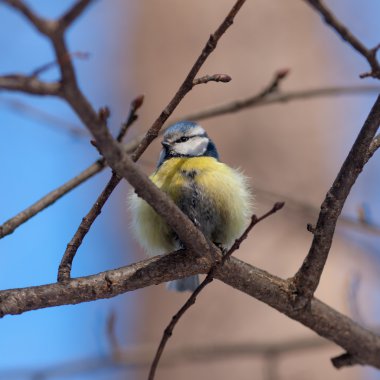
307, 278
242, 276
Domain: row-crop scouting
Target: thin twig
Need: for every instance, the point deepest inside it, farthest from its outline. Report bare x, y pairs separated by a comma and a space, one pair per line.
209, 278
224, 78
307, 278
49, 65
346, 34
64, 270
311, 212
263, 98
187, 84
10, 225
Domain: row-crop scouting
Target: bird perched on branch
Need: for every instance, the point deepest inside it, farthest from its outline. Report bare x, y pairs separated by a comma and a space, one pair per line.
214, 196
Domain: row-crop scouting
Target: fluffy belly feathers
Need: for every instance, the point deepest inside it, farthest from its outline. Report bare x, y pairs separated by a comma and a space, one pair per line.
214, 196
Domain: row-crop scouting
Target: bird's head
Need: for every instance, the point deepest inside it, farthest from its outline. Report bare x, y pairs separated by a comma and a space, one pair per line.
186, 139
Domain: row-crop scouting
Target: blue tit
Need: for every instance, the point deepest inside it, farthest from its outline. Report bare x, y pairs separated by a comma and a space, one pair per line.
214, 196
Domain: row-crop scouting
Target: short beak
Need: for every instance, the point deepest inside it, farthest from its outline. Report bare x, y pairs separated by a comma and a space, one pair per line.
165, 144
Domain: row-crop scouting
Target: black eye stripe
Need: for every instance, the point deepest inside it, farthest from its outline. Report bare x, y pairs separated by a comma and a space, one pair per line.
186, 138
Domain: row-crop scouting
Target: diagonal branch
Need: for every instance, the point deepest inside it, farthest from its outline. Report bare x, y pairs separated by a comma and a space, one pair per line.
168, 332
10, 225
346, 34
43, 26
307, 278
188, 83
73, 13
64, 270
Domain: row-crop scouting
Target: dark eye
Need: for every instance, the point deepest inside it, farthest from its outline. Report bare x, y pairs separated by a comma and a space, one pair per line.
183, 139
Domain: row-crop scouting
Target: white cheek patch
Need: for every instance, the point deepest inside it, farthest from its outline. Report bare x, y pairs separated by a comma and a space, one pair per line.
196, 146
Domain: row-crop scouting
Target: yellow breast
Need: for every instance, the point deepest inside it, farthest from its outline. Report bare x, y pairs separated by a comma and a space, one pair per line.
225, 188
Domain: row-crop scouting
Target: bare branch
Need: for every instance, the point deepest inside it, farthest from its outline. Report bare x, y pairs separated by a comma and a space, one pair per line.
259, 284
307, 278
29, 85
64, 270
168, 332
49, 65
264, 99
224, 78
187, 85
10, 225
43, 26
310, 211
346, 34
238, 105
72, 14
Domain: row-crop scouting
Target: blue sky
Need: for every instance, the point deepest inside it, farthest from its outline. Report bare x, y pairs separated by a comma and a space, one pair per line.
36, 158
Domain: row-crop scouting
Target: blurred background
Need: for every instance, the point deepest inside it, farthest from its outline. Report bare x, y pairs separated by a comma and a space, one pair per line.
292, 151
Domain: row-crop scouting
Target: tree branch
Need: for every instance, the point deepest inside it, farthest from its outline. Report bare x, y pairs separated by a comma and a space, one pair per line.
187, 84
263, 99
10, 225
307, 278
29, 85
345, 33
72, 14
64, 270
224, 78
259, 284
168, 332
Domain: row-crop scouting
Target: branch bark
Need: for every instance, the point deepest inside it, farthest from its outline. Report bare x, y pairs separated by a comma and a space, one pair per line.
307, 278
349, 37
257, 283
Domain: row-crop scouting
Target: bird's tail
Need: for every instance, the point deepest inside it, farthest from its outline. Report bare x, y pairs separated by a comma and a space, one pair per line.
184, 284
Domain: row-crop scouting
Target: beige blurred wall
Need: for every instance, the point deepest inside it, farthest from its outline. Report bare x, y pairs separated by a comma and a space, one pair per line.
292, 149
